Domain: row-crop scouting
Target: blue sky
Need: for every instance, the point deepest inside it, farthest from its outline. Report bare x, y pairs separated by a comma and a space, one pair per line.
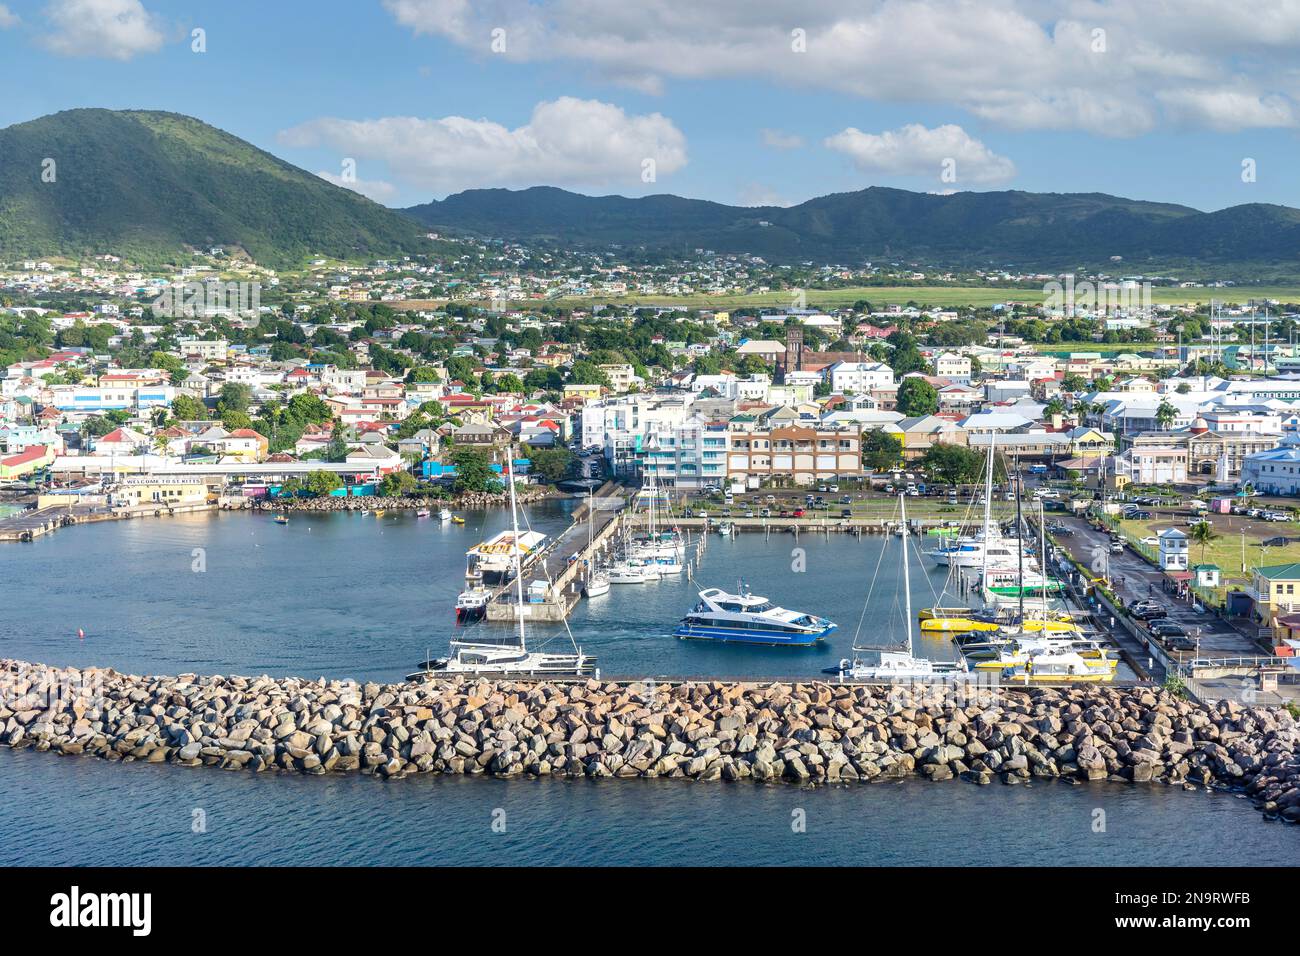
1018, 94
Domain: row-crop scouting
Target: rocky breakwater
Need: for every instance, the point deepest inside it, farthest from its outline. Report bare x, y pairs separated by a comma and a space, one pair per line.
468, 501
806, 733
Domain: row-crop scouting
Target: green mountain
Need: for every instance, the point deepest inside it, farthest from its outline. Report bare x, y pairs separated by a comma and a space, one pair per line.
971, 228
146, 184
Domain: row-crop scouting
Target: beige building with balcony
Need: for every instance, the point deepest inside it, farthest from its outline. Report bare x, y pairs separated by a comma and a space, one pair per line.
794, 454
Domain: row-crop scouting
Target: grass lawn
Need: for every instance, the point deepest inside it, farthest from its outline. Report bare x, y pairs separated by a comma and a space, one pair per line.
941, 296
1225, 550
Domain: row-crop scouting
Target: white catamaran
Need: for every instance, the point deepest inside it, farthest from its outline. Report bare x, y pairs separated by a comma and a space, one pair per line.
488, 659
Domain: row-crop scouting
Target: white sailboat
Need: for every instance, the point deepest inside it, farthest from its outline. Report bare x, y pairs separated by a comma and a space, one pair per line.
488, 659
598, 581
900, 663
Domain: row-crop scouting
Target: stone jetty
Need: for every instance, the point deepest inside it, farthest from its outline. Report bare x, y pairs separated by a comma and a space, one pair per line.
469, 500
804, 733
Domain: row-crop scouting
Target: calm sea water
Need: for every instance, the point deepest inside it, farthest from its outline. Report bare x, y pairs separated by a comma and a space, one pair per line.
352, 596
75, 811
348, 596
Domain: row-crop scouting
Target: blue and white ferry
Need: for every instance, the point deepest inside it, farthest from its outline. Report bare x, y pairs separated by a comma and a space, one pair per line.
745, 618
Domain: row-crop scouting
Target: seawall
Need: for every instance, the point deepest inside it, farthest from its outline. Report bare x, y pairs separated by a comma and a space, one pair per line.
805, 733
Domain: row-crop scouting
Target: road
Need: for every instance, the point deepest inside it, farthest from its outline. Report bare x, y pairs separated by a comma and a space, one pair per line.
1135, 578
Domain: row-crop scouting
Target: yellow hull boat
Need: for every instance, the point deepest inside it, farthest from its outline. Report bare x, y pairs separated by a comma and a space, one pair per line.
926, 613
956, 624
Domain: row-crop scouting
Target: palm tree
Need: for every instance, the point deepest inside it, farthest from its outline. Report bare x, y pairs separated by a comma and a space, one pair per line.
1203, 534
1165, 415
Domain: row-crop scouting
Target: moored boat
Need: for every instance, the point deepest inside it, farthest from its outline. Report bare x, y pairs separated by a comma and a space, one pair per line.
746, 618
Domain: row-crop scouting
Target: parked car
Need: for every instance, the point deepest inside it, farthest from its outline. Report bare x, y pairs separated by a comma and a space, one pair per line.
1176, 643
846, 512
1137, 515
1165, 629
797, 513
1117, 547
1148, 611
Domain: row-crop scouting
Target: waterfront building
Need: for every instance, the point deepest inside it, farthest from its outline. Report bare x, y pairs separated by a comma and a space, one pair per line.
25, 462
169, 492
796, 453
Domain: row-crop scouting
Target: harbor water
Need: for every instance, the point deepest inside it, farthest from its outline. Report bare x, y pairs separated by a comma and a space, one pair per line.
348, 595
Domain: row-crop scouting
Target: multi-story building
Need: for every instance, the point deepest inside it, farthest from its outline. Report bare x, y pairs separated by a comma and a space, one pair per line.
206, 350
860, 378
82, 398
800, 454
691, 454
621, 426
953, 366
1277, 471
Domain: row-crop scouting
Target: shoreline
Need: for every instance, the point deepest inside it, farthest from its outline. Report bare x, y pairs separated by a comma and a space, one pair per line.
804, 732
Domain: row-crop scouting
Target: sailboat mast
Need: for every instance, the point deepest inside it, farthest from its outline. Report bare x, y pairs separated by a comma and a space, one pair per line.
519, 562
1020, 546
907, 579
988, 511
1042, 557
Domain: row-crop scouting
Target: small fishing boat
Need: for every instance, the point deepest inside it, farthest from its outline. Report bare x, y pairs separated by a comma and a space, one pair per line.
457, 519
726, 529
471, 604
444, 514
281, 519
365, 512
422, 513
379, 512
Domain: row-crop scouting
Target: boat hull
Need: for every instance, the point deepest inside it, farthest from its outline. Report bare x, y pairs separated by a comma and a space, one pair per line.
727, 635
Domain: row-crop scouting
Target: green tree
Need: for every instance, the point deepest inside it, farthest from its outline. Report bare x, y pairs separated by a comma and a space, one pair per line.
395, 484
235, 397
233, 420
553, 464
1204, 535
473, 472
187, 408
1165, 415
881, 450
323, 482
916, 396
337, 449
953, 464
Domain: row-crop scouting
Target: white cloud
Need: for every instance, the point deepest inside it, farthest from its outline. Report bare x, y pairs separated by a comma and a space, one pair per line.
1227, 109
8, 18
1112, 68
777, 139
566, 142
914, 150
114, 29
376, 189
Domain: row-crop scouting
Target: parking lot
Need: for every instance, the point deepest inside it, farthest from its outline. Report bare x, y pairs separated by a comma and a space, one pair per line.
1135, 579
